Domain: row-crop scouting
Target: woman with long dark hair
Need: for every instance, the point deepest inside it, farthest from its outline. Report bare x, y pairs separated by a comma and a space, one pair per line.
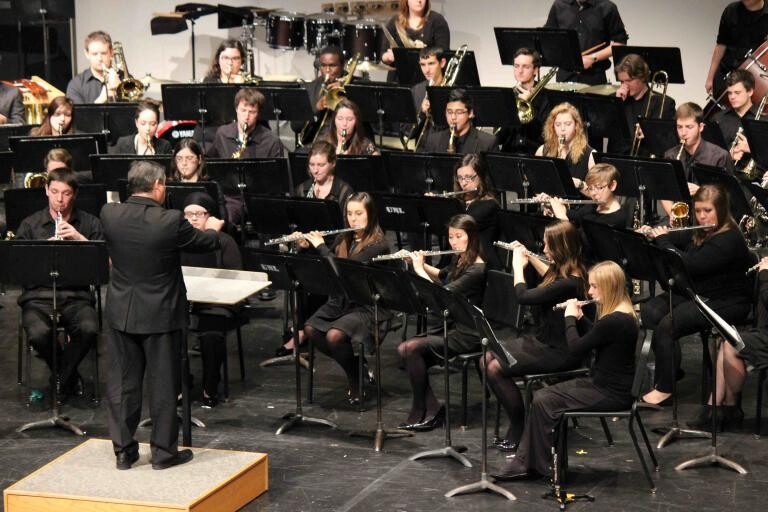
415, 25
345, 131
58, 118
322, 182
145, 141
226, 63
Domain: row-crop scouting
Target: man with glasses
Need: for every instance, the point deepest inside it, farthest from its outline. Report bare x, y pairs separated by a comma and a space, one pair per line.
466, 138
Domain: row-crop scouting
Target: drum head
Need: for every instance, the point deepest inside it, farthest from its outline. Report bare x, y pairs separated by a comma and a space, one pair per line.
566, 86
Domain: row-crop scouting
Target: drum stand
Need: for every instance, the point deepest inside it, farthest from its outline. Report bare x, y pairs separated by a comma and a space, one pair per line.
486, 482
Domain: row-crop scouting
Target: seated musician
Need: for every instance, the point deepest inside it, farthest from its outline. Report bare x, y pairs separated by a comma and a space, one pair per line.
75, 304
11, 105
690, 125
524, 138
465, 275
245, 137
322, 183
613, 337
733, 367
740, 85
345, 131
57, 158
58, 118
198, 207
338, 326
634, 75
565, 137
331, 68
226, 64
98, 83
188, 166
432, 63
546, 350
466, 138
145, 141
716, 259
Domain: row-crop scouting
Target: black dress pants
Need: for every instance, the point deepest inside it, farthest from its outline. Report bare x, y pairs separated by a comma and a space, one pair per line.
129, 357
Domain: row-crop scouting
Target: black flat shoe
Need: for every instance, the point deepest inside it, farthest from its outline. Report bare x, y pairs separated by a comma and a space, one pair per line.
282, 351
209, 402
732, 417
125, 460
513, 470
181, 457
431, 423
354, 399
503, 445
703, 419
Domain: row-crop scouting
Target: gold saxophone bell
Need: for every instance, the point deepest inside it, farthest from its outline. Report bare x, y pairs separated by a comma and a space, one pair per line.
36, 180
679, 214
238, 153
129, 89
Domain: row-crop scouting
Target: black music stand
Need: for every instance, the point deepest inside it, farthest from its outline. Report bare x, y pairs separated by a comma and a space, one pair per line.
362, 172
176, 193
658, 58
269, 214
441, 302
664, 179
91, 197
756, 133
113, 119
506, 360
285, 104
295, 273
383, 103
401, 214
707, 174
526, 228
54, 263
420, 172
13, 130
20, 203
375, 287
6, 167
506, 174
557, 47
109, 169
629, 181
409, 72
212, 104
493, 106
548, 175
30, 152
659, 135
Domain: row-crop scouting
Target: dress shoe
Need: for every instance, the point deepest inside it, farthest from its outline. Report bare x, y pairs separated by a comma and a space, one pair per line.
409, 425
732, 415
209, 402
126, 459
513, 470
504, 445
181, 457
431, 423
703, 418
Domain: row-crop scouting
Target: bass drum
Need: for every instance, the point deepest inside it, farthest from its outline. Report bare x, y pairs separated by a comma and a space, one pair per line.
321, 30
757, 64
285, 30
365, 38
174, 131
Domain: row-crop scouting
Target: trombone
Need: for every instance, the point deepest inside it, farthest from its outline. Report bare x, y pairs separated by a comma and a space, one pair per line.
661, 79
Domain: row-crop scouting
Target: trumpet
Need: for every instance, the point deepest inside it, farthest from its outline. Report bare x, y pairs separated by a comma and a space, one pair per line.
399, 255
238, 153
451, 140
546, 201
564, 305
56, 224
298, 236
508, 247
456, 193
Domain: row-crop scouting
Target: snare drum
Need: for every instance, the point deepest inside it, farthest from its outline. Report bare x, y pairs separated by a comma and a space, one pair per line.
285, 30
363, 37
322, 30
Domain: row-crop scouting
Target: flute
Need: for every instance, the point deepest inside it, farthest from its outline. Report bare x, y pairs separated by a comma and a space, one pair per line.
399, 255
546, 201
563, 305
682, 228
508, 246
298, 236
456, 193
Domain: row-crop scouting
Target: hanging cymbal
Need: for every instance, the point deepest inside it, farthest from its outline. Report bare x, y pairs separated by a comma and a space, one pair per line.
369, 66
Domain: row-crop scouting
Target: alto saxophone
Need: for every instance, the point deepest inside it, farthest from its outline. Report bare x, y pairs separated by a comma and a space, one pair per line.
451, 140
238, 153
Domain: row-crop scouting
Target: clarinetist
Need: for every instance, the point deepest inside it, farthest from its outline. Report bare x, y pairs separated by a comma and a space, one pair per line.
468, 139
144, 142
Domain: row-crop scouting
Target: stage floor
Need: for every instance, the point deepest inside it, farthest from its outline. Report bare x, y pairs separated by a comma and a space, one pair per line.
318, 469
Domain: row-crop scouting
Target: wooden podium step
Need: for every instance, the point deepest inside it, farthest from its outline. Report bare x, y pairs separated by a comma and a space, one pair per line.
85, 479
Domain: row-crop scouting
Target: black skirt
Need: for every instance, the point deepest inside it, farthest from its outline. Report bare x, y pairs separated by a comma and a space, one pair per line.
535, 357
354, 321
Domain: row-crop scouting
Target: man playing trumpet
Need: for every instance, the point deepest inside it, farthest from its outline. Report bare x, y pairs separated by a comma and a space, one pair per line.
98, 83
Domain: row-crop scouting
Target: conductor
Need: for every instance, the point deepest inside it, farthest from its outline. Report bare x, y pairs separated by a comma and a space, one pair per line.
146, 311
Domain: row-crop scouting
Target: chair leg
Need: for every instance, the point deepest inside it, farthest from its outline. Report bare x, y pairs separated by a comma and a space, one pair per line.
225, 366
311, 371
240, 353
648, 445
759, 408
96, 379
464, 385
642, 458
608, 436
20, 360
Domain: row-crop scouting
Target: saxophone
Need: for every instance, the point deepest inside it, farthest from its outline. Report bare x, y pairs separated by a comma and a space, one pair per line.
238, 153
451, 140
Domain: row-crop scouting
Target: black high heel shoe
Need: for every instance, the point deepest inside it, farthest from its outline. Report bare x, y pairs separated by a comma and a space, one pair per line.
703, 420
732, 417
431, 423
410, 426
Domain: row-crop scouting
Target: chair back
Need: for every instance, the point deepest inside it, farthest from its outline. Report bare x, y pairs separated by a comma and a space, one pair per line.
643, 348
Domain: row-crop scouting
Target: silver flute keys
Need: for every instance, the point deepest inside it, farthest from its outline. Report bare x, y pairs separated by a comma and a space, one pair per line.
298, 236
399, 255
564, 305
508, 247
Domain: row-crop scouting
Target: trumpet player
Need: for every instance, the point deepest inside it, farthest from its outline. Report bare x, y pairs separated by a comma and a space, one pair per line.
144, 141
75, 305
465, 275
740, 85
98, 83
258, 140
460, 132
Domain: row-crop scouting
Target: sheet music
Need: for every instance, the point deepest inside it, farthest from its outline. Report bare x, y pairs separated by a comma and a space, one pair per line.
221, 286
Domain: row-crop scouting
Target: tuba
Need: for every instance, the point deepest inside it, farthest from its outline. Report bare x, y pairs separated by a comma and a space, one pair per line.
525, 106
129, 89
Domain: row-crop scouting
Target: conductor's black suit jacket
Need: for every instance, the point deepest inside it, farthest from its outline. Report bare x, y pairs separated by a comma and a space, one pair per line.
146, 290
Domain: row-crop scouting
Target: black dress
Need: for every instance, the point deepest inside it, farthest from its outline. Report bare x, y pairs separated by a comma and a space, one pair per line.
433, 33
340, 191
126, 145
580, 168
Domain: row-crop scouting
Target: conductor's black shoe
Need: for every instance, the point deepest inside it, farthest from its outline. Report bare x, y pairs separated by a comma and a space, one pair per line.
181, 457
125, 460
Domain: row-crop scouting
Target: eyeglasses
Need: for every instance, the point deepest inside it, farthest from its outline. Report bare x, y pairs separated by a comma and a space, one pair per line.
187, 158
230, 59
466, 179
456, 112
195, 215
596, 188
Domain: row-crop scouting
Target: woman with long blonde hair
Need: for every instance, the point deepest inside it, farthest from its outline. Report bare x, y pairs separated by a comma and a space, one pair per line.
613, 336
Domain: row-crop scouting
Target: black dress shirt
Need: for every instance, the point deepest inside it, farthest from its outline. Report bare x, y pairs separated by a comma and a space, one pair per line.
729, 122
740, 30
84, 88
261, 143
474, 141
706, 154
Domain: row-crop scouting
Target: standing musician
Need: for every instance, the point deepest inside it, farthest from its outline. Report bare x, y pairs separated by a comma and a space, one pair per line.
634, 75
690, 125
198, 207
99, 82
599, 26
525, 138
58, 118
415, 25
258, 140
732, 367
145, 141
146, 312
466, 138
465, 276
716, 259
11, 105
226, 63
346, 131
547, 350
339, 325
75, 304
322, 183
740, 85
613, 337
743, 26
564, 137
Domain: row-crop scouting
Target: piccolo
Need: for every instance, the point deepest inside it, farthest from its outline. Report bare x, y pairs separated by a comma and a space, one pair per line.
298, 236
456, 193
399, 255
546, 201
564, 305
508, 246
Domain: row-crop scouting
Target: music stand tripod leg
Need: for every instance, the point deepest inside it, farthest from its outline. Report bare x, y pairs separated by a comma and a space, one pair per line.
486, 483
